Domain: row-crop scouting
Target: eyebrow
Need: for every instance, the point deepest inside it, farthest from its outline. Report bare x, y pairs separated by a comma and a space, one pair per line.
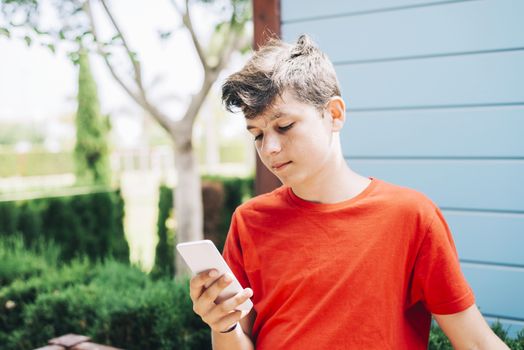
273, 117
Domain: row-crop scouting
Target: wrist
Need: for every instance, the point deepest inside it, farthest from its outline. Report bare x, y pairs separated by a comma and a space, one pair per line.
230, 329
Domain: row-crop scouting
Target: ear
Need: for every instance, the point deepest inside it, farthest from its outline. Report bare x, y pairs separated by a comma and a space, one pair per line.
337, 110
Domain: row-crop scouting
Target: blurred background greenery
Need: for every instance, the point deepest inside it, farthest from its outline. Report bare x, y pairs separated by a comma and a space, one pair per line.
91, 116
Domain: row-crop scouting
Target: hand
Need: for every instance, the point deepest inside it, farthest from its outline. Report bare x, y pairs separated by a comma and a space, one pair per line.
219, 317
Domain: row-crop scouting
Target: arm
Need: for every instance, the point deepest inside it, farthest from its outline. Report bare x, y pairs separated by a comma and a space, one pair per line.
467, 330
222, 316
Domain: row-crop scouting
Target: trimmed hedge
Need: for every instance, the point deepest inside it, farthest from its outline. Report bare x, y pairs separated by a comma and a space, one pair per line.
114, 303
164, 255
89, 224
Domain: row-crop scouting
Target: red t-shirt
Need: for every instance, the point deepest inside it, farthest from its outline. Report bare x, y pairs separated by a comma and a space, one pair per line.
365, 273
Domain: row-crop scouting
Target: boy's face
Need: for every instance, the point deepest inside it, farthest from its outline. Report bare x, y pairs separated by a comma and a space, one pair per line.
295, 140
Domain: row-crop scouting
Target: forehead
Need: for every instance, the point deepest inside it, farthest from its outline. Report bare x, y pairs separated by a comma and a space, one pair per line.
283, 106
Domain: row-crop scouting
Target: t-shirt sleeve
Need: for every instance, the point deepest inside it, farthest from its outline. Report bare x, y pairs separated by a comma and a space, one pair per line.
233, 253
438, 280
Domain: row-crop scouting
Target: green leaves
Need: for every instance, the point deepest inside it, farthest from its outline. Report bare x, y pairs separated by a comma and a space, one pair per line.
116, 38
51, 47
164, 35
28, 40
5, 32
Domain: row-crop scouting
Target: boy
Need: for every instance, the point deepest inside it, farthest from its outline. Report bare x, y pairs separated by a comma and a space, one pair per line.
332, 259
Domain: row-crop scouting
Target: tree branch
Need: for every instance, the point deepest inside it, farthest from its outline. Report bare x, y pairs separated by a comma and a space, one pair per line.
140, 99
186, 18
197, 101
136, 64
232, 43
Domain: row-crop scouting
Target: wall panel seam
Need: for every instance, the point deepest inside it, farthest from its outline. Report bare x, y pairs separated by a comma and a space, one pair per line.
429, 56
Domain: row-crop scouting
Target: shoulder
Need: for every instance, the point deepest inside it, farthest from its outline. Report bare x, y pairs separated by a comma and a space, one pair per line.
406, 201
405, 195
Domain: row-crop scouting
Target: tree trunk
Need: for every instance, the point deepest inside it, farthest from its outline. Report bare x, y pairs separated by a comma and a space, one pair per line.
187, 197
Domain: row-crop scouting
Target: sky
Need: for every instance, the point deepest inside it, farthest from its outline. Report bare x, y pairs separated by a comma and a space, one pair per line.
37, 85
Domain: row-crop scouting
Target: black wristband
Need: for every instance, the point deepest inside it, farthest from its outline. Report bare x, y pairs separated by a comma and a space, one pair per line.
230, 329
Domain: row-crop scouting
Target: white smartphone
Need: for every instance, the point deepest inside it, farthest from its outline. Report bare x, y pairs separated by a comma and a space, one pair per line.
203, 255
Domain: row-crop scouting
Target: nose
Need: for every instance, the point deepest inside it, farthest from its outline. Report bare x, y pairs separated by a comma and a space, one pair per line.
270, 144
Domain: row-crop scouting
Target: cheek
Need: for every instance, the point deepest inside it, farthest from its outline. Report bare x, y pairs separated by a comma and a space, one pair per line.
316, 149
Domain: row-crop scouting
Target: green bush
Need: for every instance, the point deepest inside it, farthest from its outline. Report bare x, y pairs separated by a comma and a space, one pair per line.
113, 303
20, 263
22, 293
439, 341
147, 315
23, 273
81, 224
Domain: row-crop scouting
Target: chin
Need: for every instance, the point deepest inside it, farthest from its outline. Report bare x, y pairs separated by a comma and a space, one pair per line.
288, 179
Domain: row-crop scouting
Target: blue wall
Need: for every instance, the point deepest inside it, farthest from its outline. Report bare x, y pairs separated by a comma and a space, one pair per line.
435, 94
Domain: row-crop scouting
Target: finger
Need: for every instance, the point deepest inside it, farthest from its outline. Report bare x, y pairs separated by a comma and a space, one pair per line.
197, 283
227, 306
227, 321
206, 301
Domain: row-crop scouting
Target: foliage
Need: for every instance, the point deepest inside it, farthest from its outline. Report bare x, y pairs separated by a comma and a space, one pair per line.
164, 256
91, 149
113, 303
18, 262
516, 343
439, 341
80, 224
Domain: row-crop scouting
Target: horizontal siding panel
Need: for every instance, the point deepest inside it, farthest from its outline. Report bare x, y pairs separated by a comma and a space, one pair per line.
459, 184
488, 237
493, 78
292, 10
498, 290
470, 26
465, 132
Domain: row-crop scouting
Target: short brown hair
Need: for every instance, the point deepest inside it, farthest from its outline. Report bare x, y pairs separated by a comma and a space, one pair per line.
301, 68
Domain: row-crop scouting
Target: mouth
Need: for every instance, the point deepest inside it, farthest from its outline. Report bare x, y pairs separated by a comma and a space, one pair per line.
280, 166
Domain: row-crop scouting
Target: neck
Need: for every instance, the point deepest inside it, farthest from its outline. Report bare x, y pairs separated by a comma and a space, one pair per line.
332, 184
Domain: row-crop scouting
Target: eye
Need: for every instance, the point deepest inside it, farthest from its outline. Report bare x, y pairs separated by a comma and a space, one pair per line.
258, 137
286, 127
